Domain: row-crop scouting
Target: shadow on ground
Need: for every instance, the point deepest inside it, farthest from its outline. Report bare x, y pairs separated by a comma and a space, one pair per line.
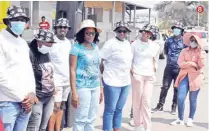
168, 121
122, 128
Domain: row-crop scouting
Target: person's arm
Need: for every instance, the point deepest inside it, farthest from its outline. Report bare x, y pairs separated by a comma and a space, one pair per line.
133, 52
156, 58
166, 47
183, 63
48, 27
73, 65
201, 60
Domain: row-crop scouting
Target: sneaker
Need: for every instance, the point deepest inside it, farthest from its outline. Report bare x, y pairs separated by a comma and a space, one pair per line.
139, 128
173, 110
158, 108
177, 122
131, 122
190, 122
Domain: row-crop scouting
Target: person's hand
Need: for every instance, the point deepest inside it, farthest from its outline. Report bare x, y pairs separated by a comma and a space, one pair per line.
75, 100
28, 102
191, 63
36, 100
101, 96
132, 71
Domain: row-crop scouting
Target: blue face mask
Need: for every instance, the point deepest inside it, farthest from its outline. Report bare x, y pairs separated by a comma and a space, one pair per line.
17, 27
176, 32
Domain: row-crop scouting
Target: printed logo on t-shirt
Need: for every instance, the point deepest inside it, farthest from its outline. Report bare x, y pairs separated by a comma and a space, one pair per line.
47, 80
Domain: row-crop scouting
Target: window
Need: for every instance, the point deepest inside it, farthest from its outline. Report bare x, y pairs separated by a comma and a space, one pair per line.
99, 14
110, 15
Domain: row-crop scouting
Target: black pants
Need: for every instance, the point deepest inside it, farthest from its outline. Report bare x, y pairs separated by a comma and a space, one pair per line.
170, 75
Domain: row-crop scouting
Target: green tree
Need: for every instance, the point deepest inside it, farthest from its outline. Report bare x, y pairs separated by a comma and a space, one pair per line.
182, 11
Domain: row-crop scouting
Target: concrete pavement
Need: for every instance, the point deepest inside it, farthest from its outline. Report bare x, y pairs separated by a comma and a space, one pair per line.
161, 120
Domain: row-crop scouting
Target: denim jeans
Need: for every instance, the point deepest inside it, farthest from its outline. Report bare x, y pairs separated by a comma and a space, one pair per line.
115, 99
41, 113
183, 89
86, 113
13, 116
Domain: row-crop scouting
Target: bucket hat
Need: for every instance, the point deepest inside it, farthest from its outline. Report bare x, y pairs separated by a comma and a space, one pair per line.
14, 12
88, 24
122, 24
45, 36
62, 22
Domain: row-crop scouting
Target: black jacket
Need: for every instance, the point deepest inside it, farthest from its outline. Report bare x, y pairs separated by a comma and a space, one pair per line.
43, 71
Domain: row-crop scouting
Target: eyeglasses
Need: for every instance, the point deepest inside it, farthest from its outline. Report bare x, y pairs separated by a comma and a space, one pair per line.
62, 27
18, 19
122, 31
193, 41
90, 33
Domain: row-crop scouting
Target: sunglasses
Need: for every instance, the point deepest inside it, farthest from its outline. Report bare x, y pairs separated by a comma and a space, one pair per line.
90, 33
62, 27
18, 19
122, 31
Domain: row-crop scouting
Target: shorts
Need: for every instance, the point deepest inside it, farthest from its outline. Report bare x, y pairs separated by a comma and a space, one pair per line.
62, 93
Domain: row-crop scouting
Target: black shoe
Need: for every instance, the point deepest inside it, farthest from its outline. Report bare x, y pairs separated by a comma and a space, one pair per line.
173, 110
158, 108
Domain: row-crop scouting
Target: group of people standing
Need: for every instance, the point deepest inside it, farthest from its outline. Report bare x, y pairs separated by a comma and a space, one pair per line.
35, 81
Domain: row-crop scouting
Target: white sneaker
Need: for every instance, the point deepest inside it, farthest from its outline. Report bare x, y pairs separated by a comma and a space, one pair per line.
139, 128
190, 122
177, 122
131, 122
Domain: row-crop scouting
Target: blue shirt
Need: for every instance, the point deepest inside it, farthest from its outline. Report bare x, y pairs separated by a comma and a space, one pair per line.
172, 50
88, 61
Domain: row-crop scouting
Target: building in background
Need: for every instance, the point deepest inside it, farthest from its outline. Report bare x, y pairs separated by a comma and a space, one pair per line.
104, 13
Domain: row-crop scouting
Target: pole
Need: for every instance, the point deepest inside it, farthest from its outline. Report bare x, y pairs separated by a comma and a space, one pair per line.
31, 13
113, 15
134, 16
198, 19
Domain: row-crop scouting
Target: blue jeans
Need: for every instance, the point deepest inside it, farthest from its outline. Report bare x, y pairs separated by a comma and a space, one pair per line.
86, 113
183, 89
13, 116
115, 99
41, 113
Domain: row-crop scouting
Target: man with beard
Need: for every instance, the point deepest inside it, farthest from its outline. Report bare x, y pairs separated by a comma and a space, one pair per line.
60, 59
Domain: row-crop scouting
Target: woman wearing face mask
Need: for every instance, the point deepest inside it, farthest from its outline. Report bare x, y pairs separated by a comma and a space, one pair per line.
190, 78
115, 66
144, 66
43, 71
85, 77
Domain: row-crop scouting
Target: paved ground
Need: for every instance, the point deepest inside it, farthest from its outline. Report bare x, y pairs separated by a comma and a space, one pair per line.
161, 120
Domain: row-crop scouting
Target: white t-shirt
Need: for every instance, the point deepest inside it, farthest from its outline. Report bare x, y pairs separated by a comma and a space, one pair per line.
145, 57
117, 64
60, 59
16, 72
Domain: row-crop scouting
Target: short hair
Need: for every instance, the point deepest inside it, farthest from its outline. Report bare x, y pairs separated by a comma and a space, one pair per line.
81, 35
43, 17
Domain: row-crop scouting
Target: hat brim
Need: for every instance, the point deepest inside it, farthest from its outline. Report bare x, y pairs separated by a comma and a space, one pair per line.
123, 27
36, 37
62, 26
176, 27
6, 20
187, 36
98, 29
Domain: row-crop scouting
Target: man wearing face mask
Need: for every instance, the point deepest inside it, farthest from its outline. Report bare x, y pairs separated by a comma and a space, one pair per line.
173, 47
43, 71
17, 83
60, 59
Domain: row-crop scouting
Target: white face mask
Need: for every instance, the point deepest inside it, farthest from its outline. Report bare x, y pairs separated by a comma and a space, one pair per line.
193, 44
44, 49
